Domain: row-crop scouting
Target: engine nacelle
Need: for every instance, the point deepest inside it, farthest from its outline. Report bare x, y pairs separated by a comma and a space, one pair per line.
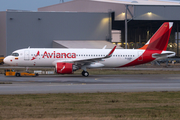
64, 68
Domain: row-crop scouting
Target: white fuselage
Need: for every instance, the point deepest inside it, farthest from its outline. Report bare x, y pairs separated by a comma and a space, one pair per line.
49, 57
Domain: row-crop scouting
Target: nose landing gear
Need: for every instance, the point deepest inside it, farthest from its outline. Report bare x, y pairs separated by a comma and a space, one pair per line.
85, 73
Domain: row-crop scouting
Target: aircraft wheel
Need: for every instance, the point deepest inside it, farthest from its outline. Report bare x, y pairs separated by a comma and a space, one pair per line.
85, 73
18, 75
37, 74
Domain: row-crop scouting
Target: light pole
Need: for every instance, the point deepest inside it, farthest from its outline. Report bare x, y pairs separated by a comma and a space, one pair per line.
126, 28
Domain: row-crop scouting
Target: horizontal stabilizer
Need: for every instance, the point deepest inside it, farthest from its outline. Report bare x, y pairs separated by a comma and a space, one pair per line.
161, 55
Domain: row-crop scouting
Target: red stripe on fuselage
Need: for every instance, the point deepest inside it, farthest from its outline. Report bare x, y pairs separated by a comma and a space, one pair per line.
147, 57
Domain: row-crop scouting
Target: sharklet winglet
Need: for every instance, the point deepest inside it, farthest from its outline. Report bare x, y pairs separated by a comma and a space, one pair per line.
110, 53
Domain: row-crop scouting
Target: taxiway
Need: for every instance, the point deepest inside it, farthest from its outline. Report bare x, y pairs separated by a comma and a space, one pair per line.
93, 83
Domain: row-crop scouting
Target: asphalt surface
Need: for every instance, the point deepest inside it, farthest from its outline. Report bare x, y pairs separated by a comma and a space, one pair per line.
93, 83
140, 67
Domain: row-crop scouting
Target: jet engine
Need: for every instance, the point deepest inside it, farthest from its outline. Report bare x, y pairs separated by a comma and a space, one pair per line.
64, 68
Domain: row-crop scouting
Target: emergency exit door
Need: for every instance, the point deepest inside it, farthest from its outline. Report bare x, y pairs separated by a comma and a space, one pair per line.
26, 55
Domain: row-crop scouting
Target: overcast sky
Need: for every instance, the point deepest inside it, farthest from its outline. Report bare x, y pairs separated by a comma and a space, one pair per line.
26, 4
33, 4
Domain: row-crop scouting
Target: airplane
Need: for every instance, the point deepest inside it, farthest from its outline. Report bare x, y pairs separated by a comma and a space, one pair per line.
66, 61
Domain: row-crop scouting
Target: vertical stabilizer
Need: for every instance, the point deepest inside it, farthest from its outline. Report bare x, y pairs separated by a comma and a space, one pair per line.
160, 39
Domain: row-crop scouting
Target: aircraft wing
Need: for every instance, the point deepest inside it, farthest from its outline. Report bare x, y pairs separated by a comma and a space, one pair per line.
87, 61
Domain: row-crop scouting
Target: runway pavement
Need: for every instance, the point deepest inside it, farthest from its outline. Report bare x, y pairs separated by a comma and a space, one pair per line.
93, 83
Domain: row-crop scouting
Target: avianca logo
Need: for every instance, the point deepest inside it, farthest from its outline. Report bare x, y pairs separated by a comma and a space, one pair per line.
63, 68
33, 58
58, 55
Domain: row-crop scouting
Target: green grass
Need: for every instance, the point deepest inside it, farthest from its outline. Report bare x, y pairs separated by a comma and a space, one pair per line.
142, 105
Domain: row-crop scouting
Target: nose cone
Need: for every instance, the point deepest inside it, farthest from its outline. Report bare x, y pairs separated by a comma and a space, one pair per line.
7, 60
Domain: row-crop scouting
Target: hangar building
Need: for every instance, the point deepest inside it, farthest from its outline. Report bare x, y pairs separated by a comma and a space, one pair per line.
88, 23
21, 29
143, 18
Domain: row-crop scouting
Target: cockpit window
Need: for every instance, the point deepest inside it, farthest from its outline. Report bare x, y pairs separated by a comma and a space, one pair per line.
15, 54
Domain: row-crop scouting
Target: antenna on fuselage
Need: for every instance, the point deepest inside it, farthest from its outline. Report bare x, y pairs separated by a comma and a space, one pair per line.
104, 47
29, 47
61, 1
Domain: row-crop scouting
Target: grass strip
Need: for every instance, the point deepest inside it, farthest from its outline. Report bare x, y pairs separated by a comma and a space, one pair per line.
85, 106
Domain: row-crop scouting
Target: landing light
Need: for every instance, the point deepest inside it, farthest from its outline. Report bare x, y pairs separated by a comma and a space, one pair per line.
149, 13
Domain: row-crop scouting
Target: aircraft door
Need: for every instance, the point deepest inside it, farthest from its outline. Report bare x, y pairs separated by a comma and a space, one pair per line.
26, 55
140, 56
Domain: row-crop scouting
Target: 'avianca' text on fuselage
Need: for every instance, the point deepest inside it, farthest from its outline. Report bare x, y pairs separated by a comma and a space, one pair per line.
66, 61
58, 55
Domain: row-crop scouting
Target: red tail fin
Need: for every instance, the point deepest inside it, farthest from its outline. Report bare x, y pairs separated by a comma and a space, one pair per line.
160, 39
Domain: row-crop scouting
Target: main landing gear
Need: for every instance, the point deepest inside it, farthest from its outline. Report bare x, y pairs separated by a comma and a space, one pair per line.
85, 73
